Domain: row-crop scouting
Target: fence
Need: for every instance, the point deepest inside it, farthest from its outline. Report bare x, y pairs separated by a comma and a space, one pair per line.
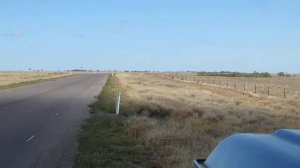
237, 85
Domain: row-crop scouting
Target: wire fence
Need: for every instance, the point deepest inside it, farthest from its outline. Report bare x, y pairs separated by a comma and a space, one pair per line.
259, 89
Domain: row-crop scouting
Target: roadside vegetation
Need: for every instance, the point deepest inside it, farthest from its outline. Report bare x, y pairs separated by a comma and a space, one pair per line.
16, 79
104, 141
169, 122
23, 83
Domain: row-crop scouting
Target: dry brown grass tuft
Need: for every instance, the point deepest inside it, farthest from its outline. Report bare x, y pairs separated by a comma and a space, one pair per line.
180, 121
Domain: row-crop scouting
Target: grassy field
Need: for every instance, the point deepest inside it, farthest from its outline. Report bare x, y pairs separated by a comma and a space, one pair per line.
177, 121
10, 79
276, 84
14, 79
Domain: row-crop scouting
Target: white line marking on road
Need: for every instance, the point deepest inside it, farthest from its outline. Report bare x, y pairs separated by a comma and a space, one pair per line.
29, 139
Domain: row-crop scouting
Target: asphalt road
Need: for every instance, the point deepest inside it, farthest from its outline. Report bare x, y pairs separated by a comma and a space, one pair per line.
39, 123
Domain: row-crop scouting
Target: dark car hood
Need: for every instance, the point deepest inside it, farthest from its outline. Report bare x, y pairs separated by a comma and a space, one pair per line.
278, 150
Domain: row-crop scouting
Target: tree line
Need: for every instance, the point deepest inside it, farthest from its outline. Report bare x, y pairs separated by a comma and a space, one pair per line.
235, 74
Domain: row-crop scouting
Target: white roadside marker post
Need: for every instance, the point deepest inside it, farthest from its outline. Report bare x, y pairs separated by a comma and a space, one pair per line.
118, 103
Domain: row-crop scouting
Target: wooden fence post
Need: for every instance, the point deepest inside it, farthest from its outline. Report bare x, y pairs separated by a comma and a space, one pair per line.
268, 91
284, 93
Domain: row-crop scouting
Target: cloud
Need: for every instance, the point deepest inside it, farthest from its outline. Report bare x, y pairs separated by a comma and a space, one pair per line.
15, 34
125, 22
208, 42
78, 35
118, 28
115, 30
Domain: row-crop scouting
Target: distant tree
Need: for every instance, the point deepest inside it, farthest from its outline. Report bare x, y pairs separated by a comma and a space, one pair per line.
282, 74
265, 74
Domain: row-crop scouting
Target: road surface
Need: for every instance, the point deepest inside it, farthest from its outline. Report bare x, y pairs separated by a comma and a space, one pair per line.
39, 123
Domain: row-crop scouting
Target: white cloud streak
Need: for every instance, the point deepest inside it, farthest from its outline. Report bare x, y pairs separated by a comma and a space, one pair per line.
15, 34
78, 35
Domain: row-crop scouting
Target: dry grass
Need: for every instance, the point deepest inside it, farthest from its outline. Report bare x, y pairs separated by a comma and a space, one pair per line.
8, 78
180, 121
14, 78
276, 84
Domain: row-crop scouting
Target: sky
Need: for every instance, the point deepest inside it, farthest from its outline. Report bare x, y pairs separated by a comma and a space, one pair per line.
164, 35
